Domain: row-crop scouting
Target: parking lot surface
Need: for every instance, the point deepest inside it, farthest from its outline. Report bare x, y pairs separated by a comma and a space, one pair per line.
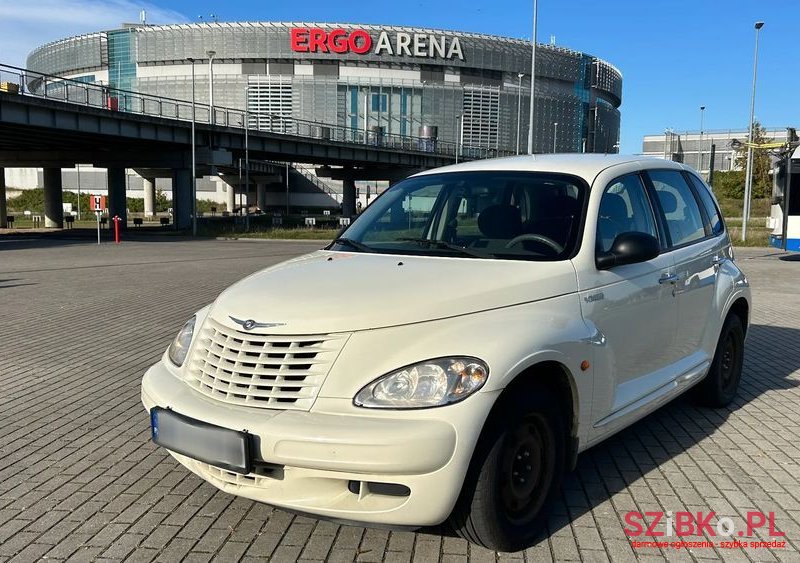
80, 479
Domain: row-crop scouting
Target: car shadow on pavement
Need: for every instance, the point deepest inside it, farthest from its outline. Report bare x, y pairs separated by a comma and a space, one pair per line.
659, 454
668, 445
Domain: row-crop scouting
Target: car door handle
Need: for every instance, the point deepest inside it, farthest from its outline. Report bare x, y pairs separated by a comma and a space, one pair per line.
669, 278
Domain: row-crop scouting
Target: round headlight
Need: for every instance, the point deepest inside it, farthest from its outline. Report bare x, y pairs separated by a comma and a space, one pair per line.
432, 383
180, 346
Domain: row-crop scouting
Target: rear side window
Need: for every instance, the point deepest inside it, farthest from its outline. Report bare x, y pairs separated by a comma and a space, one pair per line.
684, 221
708, 203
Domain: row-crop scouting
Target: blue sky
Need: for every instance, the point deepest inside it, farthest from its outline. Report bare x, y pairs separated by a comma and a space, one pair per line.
674, 55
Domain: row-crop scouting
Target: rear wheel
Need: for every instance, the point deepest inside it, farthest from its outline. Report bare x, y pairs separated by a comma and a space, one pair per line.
515, 474
720, 385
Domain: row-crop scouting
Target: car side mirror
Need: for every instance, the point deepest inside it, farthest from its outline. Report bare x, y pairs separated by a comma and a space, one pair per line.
629, 248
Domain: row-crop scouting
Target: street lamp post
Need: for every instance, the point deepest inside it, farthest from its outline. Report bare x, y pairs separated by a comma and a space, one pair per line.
246, 171
366, 116
748, 177
194, 161
555, 135
519, 107
459, 133
78, 172
211, 86
700, 142
533, 76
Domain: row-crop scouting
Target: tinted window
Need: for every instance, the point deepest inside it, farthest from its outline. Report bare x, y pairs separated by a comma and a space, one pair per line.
709, 205
500, 215
684, 222
624, 208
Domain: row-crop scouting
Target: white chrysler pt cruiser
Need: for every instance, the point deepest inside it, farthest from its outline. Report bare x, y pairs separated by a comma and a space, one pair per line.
450, 354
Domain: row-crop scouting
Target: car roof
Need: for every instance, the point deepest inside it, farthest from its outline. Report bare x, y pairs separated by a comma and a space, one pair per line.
586, 166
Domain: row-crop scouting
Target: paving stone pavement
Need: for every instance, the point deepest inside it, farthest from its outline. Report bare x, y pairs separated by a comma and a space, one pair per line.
80, 480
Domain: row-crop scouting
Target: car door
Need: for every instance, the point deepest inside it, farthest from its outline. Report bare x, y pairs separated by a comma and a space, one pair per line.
697, 252
632, 307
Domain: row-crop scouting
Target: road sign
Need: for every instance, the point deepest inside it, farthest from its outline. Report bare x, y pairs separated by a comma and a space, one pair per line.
97, 202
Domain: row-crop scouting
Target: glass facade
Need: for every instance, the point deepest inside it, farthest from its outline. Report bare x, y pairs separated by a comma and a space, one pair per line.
447, 80
121, 59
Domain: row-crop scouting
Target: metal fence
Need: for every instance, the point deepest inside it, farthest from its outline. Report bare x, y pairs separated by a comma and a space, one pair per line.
15, 80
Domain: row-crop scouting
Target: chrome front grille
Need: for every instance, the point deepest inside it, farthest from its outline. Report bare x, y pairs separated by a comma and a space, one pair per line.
261, 370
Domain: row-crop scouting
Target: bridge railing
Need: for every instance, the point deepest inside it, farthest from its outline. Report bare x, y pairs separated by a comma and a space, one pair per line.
97, 95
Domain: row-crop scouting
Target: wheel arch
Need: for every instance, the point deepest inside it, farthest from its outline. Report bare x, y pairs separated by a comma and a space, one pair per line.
558, 379
741, 308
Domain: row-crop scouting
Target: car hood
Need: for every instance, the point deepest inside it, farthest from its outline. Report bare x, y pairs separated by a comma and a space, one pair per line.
328, 291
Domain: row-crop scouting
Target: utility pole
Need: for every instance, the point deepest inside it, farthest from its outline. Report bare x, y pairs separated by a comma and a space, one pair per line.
533, 76
748, 178
194, 160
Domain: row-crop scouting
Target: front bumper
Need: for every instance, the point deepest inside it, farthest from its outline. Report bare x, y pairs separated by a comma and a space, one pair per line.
323, 462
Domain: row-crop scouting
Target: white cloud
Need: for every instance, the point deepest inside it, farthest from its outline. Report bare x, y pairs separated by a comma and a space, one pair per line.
26, 25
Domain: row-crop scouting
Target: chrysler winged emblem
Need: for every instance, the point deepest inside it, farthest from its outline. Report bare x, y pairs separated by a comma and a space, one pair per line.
250, 324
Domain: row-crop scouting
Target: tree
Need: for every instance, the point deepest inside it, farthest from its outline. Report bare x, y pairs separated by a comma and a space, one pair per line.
729, 184
162, 203
762, 183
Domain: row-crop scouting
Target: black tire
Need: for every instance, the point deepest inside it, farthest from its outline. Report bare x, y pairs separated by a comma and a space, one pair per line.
516, 472
720, 385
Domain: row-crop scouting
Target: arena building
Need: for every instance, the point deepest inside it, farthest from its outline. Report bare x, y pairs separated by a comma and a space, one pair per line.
465, 88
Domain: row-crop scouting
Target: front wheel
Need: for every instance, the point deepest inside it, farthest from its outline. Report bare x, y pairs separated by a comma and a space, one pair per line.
720, 385
515, 474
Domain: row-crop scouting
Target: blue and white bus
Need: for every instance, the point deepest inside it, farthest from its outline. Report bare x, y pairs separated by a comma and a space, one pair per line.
785, 212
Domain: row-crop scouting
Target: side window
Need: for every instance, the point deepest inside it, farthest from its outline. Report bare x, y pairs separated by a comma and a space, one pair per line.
684, 222
711, 208
623, 208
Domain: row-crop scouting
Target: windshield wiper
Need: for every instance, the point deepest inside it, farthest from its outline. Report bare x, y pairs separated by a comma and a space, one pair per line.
353, 244
444, 244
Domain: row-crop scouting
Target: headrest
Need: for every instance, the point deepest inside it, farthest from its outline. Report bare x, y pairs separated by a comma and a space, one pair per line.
563, 206
500, 221
613, 207
668, 201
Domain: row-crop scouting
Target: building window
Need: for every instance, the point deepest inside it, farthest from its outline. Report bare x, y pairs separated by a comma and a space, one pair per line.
269, 99
481, 116
379, 102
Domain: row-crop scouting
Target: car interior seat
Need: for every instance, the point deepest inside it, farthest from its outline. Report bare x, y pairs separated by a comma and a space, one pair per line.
500, 222
669, 203
613, 220
556, 219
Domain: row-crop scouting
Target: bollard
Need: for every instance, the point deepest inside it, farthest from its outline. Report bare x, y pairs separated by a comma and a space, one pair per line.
116, 220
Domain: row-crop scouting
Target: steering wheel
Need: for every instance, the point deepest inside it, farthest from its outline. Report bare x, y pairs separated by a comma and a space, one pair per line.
538, 238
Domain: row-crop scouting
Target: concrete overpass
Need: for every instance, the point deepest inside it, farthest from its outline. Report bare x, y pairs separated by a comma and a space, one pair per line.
55, 123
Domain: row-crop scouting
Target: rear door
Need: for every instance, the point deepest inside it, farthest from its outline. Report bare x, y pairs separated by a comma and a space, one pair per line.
697, 252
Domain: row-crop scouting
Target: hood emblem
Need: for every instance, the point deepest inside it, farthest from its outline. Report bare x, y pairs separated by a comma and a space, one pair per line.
250, 324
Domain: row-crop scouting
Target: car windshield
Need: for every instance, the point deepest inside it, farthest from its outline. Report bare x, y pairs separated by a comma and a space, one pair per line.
493, 214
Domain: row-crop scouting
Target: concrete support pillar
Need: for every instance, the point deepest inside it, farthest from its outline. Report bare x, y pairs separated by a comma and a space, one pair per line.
349, 198
117, 201
261, 196
230, 198
3, 208
149, 185
53, 198
182, 198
